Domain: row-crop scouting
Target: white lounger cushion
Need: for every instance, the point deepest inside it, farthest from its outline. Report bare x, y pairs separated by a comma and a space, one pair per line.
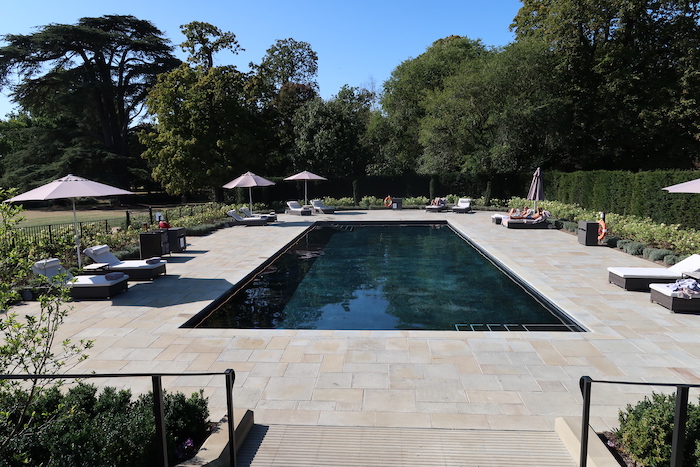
52, 267
690, 264
101, 254
667, 289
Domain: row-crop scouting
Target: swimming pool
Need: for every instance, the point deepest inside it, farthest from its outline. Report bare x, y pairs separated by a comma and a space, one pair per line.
383, 277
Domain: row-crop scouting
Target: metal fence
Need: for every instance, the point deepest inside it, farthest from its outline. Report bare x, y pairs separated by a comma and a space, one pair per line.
50, 233
679, 420
158, 408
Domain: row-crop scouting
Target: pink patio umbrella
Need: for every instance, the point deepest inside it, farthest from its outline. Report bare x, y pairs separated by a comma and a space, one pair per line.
71, 187
249, 180
306, 176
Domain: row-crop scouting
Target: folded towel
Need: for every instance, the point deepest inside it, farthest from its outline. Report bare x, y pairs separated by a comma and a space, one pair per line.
154, 260
113, 276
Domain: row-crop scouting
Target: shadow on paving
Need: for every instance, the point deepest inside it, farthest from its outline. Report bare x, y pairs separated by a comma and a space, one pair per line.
171, 290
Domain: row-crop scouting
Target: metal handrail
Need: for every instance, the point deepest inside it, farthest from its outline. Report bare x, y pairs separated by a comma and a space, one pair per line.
679, 420
158, 409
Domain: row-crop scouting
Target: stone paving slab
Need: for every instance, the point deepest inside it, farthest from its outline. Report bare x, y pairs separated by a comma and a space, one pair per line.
426, 379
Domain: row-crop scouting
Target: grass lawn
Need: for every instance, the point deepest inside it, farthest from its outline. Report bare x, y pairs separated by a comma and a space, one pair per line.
58, 215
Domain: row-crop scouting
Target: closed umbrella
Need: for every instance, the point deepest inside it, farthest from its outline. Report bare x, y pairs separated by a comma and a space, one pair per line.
71, 187
536, 192
248, 180
306, 176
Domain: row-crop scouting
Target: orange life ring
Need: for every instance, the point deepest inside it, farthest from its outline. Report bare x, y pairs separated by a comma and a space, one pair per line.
388, 201
602, 230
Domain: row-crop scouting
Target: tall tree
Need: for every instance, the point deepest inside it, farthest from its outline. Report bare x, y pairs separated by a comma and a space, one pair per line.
499, 113
632, 69
331, 135
205, 128
406, 89
283, 82
96, 73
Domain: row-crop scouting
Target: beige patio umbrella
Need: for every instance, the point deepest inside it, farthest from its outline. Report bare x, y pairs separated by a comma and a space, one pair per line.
249, 180
306, 176
71, 187
693, 186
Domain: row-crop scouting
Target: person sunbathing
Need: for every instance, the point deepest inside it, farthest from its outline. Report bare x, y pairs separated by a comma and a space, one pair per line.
529, 214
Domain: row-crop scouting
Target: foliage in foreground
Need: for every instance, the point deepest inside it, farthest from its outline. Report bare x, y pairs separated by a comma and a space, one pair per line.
646, 431
82, 427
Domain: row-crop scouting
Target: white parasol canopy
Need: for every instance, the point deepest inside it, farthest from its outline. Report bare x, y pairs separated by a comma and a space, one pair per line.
249, 180
692, 186
306, 176
71, 187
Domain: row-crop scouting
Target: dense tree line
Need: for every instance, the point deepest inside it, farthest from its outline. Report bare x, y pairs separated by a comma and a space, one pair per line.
592, 84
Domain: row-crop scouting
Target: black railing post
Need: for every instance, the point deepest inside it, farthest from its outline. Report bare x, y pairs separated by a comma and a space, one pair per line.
679, 421
159, 412
230, 378
150, 215
585, 384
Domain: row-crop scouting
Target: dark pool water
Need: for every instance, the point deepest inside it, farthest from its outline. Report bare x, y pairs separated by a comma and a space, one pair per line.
382, 278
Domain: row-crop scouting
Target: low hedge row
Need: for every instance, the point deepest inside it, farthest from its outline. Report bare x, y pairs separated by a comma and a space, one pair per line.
82, 427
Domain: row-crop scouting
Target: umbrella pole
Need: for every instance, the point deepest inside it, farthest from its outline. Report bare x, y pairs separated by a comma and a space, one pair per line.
306, 188
250, 195
77, 237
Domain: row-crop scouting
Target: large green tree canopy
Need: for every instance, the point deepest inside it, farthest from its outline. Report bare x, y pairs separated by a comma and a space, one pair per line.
631, 70
95, 75
205, 127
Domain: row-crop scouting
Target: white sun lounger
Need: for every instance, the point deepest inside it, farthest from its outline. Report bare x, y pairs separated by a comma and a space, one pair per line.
238, 220
83, 287
137, 269
639, 278
463, 205
318, 206
295, 208
676, 301
272, 217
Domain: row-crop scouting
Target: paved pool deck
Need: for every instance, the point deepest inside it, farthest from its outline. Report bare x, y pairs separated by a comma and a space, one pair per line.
421, 379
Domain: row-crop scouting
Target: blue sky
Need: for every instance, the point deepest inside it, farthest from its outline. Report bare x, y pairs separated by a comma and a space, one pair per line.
358, 43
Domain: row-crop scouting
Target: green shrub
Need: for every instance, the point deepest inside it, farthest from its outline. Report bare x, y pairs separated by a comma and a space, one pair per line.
633, 248
128, 252
622, 242
659, 254
110, 429
200, 230
646, 430
611, 241
670, 260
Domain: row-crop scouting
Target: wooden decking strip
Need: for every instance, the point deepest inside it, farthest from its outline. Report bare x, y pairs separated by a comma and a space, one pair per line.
300, 445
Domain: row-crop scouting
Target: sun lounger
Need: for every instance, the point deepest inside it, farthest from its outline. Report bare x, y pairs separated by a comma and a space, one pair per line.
82, 287
520, 223
463, 205
438, 205
318, 206
295, 208
674, 300
238, 220
272, 217
138, 270
639, 278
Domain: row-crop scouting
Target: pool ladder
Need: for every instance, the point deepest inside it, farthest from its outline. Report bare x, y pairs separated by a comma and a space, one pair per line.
516, 327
